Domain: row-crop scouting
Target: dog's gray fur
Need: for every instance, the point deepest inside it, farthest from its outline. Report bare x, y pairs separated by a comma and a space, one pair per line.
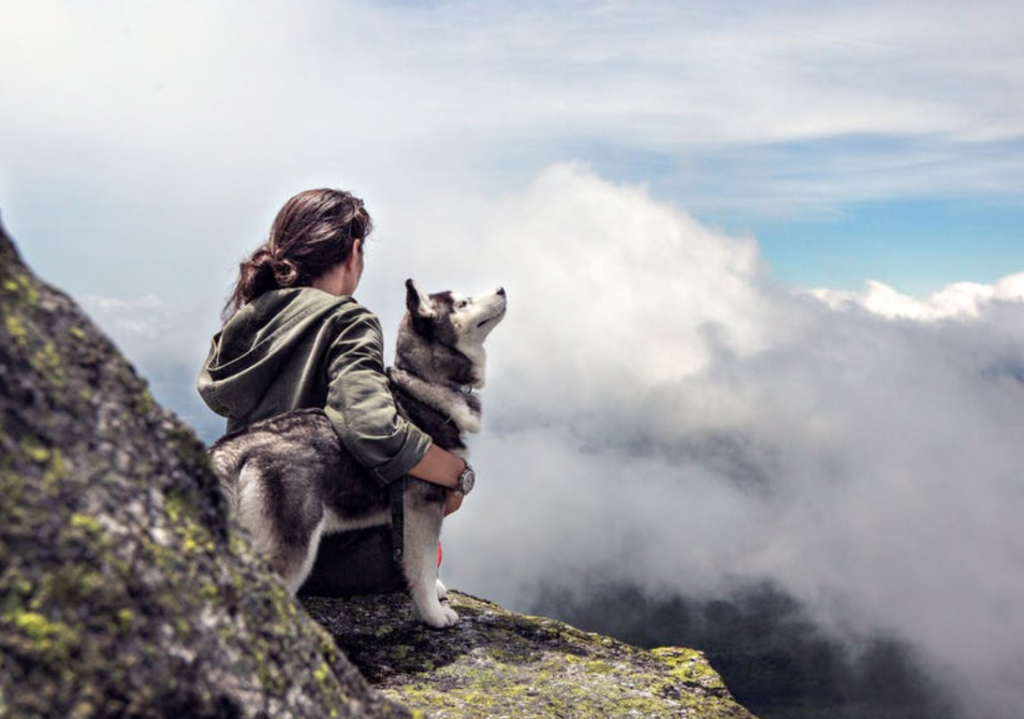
290, 482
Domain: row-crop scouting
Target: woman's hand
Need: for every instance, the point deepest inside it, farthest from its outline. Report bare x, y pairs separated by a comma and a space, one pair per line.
442, 468
453, 502
439, 467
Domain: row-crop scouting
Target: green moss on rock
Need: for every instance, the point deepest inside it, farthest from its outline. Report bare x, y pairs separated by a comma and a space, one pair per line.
47, 362
16, 330
19, 288
39, 636
32, 448
143, 402
496, 663
690, 667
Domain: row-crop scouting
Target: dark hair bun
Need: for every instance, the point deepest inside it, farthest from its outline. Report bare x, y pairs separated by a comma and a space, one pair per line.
285, 273
257, 273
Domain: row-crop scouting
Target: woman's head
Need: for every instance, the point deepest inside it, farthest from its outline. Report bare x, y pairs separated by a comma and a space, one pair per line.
314, 232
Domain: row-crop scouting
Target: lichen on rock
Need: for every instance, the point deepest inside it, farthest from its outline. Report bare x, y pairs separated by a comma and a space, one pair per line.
496, 663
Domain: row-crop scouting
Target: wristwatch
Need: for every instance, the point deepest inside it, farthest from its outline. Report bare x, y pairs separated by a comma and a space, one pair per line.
466, 481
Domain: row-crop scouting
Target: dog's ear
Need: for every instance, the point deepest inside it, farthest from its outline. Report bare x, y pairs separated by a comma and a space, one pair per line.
421, 309
417, 301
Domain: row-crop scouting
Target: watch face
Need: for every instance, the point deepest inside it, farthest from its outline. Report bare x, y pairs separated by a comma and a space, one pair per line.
467, 480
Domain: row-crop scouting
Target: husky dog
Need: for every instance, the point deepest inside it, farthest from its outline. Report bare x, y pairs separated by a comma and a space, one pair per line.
290, 482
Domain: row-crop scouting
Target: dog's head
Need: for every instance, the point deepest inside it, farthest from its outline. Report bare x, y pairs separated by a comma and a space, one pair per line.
441, 345
459, 322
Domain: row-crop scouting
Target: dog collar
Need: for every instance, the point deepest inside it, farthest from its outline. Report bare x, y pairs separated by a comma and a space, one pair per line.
461, 388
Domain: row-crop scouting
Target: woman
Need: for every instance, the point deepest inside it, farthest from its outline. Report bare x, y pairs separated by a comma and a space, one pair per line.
295, 337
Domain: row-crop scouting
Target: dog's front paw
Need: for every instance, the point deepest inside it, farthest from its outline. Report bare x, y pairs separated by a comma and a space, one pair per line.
440, 617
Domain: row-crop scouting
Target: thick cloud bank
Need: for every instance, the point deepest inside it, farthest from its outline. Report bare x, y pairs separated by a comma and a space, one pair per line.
660, 412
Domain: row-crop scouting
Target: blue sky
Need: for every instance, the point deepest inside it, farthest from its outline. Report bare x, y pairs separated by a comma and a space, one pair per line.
916, 245
764, 260
876, 142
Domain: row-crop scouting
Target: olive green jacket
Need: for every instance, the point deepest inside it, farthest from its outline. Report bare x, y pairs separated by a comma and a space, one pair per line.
302, 347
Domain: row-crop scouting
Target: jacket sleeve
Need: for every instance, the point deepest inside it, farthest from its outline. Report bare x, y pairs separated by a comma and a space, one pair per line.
360, 404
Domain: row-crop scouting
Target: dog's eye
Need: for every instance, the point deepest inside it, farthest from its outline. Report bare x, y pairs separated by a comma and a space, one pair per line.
461, 304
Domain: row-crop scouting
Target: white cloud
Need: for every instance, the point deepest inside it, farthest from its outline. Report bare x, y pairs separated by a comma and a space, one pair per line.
243, 96
167, 342
585, 256
171, 133
137, 322
960, 300
657, 412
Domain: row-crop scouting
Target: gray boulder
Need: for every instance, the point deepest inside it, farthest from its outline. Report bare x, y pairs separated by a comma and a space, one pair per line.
496, 664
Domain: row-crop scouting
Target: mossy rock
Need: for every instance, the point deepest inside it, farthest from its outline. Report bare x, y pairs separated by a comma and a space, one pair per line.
496, 663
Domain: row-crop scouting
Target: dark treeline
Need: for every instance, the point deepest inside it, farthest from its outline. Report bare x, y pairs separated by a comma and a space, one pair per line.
774, 660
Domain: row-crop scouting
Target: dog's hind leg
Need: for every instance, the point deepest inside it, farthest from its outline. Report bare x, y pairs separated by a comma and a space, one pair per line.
285, 517
424, 511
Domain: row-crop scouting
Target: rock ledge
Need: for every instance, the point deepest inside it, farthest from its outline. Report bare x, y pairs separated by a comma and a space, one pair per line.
496, 663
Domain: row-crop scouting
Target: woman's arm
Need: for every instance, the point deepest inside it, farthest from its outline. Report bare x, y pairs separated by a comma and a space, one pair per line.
360, 404
439, 467
442, 468
362, 410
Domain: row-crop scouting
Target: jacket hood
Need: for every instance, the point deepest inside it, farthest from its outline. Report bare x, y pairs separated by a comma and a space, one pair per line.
256, 343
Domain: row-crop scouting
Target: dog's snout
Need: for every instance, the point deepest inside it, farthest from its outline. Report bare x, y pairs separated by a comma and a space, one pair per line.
501, 291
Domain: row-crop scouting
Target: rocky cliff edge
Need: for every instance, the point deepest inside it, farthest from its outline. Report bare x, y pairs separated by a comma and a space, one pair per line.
495, 663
